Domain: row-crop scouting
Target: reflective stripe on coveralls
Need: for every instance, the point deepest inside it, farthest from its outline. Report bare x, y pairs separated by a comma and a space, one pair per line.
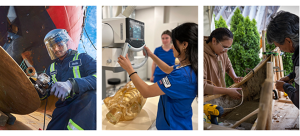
73, 126
52, 68
76, 71
76, 68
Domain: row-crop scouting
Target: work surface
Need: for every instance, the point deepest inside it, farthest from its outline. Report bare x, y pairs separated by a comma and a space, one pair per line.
285, 116
32, 121
145, 118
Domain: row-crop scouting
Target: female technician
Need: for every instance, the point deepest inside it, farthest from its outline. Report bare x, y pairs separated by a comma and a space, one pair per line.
179, 88
215, 51
165, 53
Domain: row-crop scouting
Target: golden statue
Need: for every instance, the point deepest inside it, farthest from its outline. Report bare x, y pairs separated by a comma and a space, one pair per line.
125, 104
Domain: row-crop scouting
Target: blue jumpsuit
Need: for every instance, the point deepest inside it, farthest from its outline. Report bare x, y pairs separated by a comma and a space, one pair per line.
78, 112
174, 108
165, 56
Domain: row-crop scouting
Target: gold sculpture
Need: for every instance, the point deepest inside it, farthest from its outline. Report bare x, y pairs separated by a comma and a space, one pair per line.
125, 104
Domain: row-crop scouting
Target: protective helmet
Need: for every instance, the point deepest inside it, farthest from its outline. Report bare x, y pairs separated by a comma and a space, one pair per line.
57, 42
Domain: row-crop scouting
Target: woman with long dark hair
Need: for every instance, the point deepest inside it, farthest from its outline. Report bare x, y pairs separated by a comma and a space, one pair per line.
215, 54
180, 87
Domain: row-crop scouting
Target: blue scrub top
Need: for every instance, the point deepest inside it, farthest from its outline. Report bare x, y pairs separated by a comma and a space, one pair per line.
165, 56
175, 107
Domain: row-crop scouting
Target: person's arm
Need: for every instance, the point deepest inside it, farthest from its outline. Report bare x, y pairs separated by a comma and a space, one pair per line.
88, 82
208, 88
229, 69
291, 75
232, 74
232, 92
145, 89
162, 65
292, 92
152, 70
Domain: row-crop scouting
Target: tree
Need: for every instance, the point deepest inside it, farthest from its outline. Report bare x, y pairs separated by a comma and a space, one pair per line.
220, 23
245, 47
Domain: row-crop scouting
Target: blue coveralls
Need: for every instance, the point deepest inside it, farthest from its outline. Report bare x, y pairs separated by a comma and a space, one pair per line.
174, 108
78, 112
165, 56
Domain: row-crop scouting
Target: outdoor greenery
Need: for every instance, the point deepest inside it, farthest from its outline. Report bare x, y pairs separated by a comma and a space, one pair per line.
245, 47
220, 23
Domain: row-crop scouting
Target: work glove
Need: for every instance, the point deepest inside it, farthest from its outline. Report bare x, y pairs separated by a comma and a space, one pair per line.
61, 89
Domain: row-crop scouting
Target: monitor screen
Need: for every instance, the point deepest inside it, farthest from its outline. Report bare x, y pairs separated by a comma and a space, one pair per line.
136, 31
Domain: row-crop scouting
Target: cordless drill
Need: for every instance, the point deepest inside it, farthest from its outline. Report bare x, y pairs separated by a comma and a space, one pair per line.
212, 112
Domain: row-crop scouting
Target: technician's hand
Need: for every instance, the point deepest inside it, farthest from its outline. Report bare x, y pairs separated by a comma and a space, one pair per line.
233, 93
237, 79
125, 63
151, 79
61, 89
149, 52
279, 85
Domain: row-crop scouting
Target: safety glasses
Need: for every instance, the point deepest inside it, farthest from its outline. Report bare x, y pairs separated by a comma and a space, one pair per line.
224, 48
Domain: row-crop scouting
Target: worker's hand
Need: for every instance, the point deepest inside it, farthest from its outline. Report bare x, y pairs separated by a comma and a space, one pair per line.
61, 89
285, 79
149, 52
151, 79
237, 79
279, 85
233, 93
125, 63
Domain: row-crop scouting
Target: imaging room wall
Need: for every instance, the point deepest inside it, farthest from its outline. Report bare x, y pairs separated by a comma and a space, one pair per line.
160, 18
157, 19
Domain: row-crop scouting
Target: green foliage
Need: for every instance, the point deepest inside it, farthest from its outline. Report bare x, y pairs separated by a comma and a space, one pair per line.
220, 23
236, 19
245, 47
286, 58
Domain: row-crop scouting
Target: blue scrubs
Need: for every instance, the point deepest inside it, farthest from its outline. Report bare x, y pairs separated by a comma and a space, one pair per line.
81, 109
174, 108
165, 56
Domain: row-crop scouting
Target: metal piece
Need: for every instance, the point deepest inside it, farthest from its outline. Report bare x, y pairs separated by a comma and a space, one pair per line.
42, 83
270, 53
11, 14
279, 70
249, 69
276, 95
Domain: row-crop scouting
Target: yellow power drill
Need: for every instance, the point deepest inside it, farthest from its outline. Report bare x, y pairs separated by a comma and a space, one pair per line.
212, 112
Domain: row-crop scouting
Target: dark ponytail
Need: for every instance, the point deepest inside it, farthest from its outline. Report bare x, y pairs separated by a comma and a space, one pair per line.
188, 32
220, 34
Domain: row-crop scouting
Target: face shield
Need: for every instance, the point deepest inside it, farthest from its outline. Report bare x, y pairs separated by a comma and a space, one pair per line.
57, 42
